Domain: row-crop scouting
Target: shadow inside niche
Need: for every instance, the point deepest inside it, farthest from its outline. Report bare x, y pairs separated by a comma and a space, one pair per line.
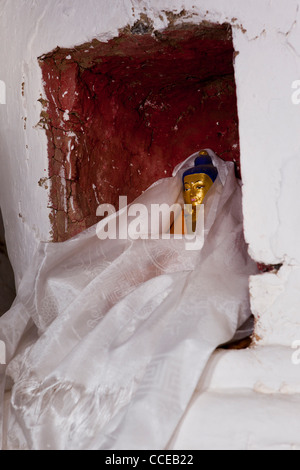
119, 115
7, 280
244, 336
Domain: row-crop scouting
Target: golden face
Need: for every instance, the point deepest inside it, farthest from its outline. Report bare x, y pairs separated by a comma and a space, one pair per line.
196, 187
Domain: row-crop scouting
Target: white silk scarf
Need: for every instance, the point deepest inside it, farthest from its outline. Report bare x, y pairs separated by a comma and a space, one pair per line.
107, 339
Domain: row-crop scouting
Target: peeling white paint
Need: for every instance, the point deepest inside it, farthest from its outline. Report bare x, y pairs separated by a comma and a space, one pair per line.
96, 195
66, 116
72, 203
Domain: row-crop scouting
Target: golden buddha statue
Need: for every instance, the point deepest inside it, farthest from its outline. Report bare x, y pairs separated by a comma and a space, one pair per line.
196, 181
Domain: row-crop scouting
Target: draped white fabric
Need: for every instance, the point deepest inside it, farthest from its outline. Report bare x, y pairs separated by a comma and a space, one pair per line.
107, 339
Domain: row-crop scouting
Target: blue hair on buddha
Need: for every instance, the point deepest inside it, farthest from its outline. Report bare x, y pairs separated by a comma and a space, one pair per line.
202, 164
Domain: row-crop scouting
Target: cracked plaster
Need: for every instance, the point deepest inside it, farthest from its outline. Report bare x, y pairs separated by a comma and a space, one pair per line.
166, 89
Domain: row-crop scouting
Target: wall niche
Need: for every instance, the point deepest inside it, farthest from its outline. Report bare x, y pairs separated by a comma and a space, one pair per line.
121, 114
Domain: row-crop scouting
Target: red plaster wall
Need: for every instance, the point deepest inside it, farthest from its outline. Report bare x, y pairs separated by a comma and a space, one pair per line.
137, 105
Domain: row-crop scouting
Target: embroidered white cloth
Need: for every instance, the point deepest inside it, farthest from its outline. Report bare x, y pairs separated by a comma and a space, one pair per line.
107, 339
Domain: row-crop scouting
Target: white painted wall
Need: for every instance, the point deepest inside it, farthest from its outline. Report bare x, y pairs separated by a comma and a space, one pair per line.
29, 28
267, 37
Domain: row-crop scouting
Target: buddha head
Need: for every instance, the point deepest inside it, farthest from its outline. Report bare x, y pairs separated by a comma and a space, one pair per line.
198, 180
